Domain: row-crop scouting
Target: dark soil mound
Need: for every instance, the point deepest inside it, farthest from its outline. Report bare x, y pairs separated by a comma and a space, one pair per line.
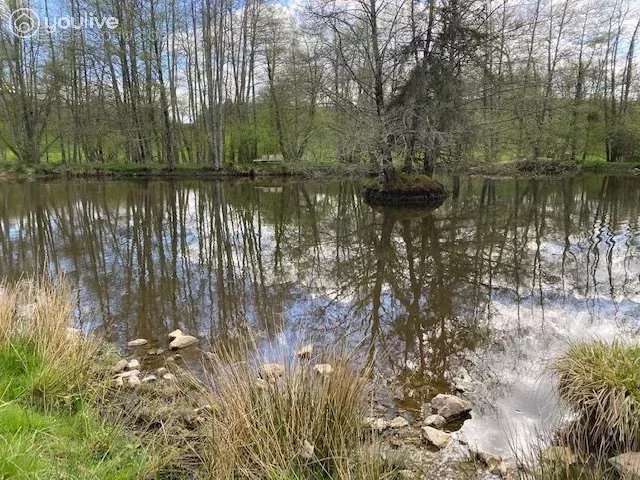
406, 190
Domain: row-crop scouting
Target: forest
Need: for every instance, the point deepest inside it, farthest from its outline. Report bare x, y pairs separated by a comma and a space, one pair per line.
412, 83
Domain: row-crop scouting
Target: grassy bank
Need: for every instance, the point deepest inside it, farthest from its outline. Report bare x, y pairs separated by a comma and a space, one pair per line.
65, 414
128, 170
49, 427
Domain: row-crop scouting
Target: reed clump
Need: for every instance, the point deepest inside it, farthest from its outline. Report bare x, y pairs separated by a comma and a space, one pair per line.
600, 383
288, 421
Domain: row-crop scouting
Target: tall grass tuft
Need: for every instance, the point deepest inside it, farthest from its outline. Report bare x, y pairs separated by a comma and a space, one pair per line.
37, 316
600, 383
297, 425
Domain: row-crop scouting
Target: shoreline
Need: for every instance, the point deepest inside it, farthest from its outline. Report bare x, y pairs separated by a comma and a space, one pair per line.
550, 169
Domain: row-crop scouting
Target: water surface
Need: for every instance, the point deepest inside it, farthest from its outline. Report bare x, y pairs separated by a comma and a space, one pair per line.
478, 295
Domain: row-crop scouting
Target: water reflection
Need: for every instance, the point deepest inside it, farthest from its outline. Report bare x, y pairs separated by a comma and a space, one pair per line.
478, 294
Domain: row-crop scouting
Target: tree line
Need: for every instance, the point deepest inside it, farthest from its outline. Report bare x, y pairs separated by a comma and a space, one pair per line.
409, 83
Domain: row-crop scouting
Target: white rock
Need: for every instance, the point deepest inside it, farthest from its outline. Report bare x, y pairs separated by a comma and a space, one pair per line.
133, 364
161, 371
434, 421
119, 382
272, 371
175, 334
377, 424
307, 450
128, 373
627, 464
169, 377
450, 406
323, 369
398, 422
305, 351
120, 366
183, 341
134, 381
149, 378
436, 437
138, 342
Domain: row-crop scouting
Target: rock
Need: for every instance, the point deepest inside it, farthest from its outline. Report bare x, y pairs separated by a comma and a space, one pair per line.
133, 364
307, 450
376, 424
138, 342
305, 352
627, 464
557, 454
436, 437
323, 369
118, 381
169, 377
134, 381
149, 378
175, 334
161, 371
272, 371
155, 351
450, 406
398, 422
436, 421
120, 366
183, 341
128, 373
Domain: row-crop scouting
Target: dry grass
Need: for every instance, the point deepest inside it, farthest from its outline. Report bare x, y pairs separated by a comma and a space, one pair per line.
600, 383
38, 314
301, 425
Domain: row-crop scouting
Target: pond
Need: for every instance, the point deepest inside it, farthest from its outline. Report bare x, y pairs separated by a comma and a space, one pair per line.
478, 295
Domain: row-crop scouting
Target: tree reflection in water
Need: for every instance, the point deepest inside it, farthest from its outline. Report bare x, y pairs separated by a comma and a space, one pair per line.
496, 280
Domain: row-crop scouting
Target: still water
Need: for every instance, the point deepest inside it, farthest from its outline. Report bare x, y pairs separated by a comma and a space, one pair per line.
478, 295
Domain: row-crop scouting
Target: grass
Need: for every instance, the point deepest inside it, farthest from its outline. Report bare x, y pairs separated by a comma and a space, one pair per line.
600, 382
300, 425
48, 426
63, 417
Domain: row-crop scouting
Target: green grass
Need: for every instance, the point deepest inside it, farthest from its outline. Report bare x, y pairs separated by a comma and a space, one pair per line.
600, 383
61, 442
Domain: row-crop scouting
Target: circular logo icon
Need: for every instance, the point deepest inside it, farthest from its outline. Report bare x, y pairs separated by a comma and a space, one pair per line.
24, 22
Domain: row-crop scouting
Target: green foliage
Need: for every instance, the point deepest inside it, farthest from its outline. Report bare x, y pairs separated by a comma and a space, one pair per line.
46, 441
